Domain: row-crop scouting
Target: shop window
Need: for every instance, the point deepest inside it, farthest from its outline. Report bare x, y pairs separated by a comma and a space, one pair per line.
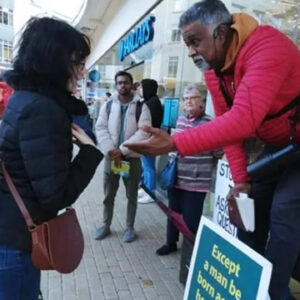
172, 66
6, 51
6, 16
175, 35
102, 71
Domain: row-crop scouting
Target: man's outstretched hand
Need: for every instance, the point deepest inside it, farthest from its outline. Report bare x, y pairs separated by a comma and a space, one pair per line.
160, 142
239, 188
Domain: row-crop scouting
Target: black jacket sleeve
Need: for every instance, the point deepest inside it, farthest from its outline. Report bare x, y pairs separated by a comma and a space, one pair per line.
46, 149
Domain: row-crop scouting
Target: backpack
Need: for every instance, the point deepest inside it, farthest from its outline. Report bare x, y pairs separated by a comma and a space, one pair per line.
138, 110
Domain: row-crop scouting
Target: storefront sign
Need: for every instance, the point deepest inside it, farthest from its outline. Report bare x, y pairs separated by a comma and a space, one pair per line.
223, 184
140, 36
223, 268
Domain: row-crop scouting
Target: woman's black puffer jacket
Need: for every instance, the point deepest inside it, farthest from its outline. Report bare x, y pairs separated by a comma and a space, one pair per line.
36, 147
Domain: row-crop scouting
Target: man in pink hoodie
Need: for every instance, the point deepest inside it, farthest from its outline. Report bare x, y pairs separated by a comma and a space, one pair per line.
252, 73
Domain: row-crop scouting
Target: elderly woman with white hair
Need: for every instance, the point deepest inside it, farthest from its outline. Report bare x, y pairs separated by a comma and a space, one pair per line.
194, 173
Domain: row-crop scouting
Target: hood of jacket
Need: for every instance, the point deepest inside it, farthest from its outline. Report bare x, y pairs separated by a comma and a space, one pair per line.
149, 88
243, 26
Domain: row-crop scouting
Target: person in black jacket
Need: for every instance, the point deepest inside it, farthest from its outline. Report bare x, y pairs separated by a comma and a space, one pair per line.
148, 91
36, 144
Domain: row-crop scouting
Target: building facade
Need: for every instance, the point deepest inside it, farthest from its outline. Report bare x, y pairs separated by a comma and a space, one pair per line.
6, 34
164, 56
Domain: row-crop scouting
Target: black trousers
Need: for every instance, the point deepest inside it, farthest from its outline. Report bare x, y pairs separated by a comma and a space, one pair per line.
190, 205
277, 221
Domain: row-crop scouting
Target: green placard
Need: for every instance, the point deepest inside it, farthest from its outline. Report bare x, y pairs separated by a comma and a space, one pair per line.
223, 268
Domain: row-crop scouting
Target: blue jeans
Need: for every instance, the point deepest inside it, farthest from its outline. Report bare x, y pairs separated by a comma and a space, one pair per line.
19, 279
148, 176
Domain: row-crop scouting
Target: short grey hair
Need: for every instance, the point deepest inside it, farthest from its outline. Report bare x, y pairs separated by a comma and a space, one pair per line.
206, 12
200, 88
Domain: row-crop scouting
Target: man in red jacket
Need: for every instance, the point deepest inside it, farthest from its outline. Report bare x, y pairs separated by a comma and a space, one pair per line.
252, 73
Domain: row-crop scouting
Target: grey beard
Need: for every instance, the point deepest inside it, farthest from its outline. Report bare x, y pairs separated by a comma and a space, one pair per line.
204, 65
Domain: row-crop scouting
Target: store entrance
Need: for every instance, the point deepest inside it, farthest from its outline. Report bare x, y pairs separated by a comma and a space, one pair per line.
137, 72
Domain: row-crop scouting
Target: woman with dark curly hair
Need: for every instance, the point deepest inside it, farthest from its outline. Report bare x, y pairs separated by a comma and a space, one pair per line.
36, 144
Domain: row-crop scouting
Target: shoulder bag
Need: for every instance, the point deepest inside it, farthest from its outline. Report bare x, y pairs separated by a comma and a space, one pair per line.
169, 173
57, 244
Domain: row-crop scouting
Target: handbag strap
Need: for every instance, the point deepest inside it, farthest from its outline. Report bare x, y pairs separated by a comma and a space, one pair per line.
228, 99
17, 198
294, 103
229, 102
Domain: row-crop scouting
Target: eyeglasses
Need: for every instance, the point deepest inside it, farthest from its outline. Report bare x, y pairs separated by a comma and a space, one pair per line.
191, 98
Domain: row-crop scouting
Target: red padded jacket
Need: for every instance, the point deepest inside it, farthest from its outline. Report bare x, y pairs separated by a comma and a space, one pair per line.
266, 78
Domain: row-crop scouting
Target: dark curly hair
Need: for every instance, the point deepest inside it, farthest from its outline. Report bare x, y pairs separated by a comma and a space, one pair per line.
123, 73
48, 51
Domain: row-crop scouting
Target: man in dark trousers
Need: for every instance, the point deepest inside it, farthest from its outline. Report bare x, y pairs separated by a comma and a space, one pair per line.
121, 120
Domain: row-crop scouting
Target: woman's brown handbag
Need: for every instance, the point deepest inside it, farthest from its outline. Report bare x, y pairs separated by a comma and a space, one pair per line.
56, 244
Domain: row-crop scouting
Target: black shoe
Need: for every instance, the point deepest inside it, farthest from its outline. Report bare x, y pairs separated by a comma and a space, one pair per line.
166, 249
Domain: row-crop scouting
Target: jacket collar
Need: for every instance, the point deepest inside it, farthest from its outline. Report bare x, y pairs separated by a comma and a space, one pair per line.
243, 26
63, 98
69, 103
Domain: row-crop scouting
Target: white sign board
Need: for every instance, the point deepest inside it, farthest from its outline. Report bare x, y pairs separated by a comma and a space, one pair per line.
223, 184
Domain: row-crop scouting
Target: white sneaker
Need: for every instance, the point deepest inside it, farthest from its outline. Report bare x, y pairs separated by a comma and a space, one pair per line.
145, 199
141, 193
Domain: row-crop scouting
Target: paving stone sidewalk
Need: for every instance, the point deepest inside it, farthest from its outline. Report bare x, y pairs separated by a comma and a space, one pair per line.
111, 269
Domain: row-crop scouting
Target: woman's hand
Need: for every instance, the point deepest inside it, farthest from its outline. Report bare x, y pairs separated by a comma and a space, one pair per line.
80, 137
160, 142
239, 188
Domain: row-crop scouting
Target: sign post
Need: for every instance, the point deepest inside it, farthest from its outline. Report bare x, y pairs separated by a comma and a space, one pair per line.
223, 268
223, 184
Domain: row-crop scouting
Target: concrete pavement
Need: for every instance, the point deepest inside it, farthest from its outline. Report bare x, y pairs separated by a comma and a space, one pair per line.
111, 269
